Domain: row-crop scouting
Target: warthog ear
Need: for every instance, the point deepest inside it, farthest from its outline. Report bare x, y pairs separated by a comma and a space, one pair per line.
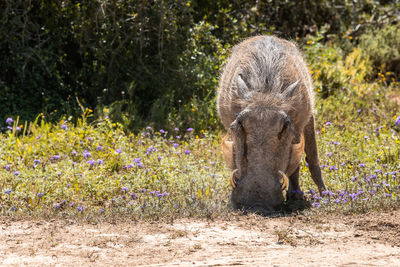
290, 89
242, 87
239, 143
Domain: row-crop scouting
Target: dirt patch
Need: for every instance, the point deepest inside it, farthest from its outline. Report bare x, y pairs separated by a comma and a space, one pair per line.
384, 227
365, 240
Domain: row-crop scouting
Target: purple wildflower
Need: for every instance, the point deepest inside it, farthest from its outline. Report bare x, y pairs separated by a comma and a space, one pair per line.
328, 123
176, 129
36, 161
333, 168
99, 147
100, 162
353, 196
8, 191
74, 153
129, 166
315, 204
362, 165
160, 195
80, 208
8, 167
86, 154
40, 195
150, 150
189, 129
175, 145
397, 122
64, 127
119, 151
124, 189
133, 196
328, 193
55, 157
187, 152
9, 120
162, 131
90, 162
16, 173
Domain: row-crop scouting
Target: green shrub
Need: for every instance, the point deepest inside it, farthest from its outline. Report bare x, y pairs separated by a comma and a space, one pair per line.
333, 71
382, 46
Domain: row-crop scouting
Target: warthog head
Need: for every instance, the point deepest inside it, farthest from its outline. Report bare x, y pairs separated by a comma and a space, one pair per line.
262, 143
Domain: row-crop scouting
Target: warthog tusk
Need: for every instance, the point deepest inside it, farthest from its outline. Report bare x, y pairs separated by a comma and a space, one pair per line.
285, 182
234, 177
232, 182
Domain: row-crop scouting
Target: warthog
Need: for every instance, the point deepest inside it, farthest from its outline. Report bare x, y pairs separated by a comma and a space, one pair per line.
265, 100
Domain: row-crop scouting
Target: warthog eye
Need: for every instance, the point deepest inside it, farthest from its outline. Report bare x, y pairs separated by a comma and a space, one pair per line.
285, 126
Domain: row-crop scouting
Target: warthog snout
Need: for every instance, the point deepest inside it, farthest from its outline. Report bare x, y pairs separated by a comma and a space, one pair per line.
249, 194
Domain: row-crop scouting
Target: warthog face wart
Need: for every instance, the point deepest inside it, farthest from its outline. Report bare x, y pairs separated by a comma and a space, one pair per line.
265, 102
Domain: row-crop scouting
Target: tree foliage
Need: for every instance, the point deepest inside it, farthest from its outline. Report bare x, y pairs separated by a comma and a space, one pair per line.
150, 61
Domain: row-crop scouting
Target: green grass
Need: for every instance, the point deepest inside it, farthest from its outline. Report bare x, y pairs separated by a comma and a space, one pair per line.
97, 171
93, 170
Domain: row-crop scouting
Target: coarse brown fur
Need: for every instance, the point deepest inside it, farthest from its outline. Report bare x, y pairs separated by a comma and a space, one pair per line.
265, 100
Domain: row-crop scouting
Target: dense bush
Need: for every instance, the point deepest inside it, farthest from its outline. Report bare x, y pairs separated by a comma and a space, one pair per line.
382, 46
150, 61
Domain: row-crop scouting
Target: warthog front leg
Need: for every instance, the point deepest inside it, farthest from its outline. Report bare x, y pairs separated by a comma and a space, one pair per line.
294, 191
312, 155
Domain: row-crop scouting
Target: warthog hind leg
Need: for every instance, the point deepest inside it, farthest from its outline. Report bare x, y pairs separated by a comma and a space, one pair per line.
312, 155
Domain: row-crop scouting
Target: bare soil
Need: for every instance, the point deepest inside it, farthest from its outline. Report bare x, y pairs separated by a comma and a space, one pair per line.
322, 240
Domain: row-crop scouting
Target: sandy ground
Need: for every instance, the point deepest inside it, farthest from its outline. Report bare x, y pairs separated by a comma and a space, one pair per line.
358, 240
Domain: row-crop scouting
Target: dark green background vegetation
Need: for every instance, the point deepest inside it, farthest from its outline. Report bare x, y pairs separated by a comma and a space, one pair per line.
157, 62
